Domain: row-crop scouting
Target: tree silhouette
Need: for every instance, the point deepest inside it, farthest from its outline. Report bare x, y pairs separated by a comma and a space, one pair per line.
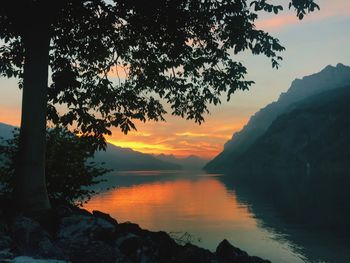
114, 62
69, 168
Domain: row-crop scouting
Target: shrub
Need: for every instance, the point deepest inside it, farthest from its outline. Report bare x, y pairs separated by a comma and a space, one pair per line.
70, 171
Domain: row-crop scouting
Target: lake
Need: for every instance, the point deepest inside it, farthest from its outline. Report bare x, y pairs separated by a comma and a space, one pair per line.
206, 208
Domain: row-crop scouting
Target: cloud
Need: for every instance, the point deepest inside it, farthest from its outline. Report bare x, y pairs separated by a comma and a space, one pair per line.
277, 22
182, 137
191, 134
141, 146
329, 9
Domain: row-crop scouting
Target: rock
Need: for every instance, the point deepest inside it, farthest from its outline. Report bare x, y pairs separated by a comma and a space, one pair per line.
34, 260
30, 239
6, 255
80, 211
63, 211
85, 228
146, 246
258, 260
130, 245
5, 247
105, 216
130, 228
138, 249
229, 253
85, 238
5, 241
91, 252
167, 247
82, 237
191, 253
122, 239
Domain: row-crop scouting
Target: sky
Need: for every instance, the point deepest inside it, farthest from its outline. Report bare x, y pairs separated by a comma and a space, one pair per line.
320, 39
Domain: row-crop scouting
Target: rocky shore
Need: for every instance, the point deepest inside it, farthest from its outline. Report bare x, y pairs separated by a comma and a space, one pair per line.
77, 236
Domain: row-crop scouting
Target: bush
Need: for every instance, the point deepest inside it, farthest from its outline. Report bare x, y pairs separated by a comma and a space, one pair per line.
70, 173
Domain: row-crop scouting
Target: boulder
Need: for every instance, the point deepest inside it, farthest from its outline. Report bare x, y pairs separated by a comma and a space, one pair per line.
24, 259
6, 255
167, 247
137, 249
105, 216
85, 228
191, 253
229, 253
5, 241
79, 236
87, 239
128, 227
30, 239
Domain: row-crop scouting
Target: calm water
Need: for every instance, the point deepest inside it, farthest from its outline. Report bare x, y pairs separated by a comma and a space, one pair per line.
210, 210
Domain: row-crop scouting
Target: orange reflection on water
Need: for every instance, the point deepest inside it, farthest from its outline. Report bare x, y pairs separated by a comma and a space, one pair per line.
196, 203
169, 205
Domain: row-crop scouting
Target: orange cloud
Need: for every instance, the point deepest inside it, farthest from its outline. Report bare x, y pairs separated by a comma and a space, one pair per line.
181, 137
193, 134
176, 136
142, 147
277, 22
288, 18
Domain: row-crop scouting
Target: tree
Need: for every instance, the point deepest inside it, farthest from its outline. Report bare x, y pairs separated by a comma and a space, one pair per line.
69, 168
165, 51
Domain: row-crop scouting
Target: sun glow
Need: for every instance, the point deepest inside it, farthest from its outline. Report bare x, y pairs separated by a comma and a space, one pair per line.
141, 146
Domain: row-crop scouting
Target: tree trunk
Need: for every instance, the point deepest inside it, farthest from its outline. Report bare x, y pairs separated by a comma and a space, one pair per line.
30, 185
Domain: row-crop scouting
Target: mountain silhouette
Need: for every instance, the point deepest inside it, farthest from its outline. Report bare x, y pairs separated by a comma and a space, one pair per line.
191, 162
114, 157
301, 163
311, 140
327, 79
123, 159
6, 131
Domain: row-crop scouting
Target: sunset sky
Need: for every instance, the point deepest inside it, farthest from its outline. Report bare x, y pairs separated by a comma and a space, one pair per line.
322, 38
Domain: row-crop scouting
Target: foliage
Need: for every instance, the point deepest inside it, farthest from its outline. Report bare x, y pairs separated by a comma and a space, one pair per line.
69, 169
117, 62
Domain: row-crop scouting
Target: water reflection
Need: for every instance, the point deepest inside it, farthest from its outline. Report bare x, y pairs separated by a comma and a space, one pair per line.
312, 238
207, 206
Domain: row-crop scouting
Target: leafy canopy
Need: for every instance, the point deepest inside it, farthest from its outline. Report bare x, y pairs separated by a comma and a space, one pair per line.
114, 62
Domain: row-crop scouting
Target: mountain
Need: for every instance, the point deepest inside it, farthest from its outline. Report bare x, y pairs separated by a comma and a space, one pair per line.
116, 158
311, 140
191, 162
6, 131
327, 79
301, 163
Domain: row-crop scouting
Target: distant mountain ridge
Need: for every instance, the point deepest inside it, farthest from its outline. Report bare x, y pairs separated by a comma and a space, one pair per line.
327, 79
191, 162
6, 130
116, 158
122, 159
